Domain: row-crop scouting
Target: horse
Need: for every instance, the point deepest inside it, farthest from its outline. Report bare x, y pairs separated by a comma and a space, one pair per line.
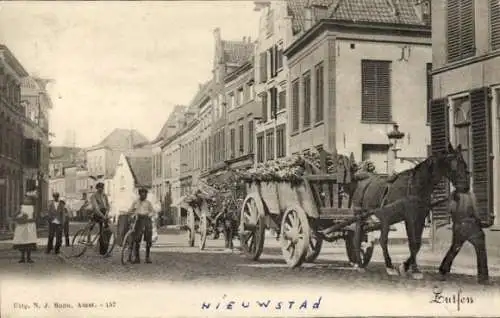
407, 197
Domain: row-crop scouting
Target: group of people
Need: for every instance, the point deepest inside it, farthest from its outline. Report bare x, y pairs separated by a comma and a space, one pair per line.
58, 216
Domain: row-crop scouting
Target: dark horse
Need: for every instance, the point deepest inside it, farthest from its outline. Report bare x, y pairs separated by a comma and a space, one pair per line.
407, 197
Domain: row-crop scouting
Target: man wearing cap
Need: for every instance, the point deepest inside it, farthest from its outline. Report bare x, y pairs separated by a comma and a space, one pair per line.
56, 215
100, 208
144, 211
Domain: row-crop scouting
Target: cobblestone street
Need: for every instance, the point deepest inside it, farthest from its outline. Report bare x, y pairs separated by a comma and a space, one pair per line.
175, 262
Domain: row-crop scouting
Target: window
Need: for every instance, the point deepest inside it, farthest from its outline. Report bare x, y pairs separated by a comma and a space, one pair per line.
376, 91
295, 105
428, 69
270, 146
320, 91
279, 58
250, 136
233, 142
460, 29
282, 100
426, 12
260, 148
307, 100
250, 91
274, 102
495, 24
242, 139
264, 107
462, 126
263, 67
280, 142
239, 97
272, 62
230, 102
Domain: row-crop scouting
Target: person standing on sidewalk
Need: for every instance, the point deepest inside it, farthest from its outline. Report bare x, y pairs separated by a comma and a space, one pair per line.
69, 214
143, 226
466, 227
25, 237
56, 217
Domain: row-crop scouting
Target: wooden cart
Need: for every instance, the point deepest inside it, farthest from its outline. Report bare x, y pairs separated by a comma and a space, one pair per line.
205, 213
304, 215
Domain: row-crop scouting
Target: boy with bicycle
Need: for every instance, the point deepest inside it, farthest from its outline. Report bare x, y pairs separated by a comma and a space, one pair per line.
143, 211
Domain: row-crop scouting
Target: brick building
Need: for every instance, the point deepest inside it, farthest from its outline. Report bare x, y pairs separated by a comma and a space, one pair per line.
12, 120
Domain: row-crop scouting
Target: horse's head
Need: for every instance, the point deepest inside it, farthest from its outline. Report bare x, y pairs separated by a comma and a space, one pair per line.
452, 165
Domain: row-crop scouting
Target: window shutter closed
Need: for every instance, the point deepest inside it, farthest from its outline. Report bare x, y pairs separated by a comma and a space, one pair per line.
295, 106
429, 90
263, 67
495, 24
460, 29
439, 143
264, 107
482, 166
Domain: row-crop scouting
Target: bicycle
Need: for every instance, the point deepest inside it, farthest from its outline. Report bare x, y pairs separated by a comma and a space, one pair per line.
80, 239
128, 242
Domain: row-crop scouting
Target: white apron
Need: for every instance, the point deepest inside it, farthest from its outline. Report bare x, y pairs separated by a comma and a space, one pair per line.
25, 233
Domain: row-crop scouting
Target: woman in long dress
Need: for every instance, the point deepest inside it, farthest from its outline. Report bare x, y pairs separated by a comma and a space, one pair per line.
25, 237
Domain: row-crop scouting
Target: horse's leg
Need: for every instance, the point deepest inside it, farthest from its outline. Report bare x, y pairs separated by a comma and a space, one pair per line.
410, 224
384, 239
419, 229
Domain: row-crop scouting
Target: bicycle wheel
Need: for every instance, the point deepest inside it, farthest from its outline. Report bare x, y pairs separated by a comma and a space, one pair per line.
127, 248
79, 243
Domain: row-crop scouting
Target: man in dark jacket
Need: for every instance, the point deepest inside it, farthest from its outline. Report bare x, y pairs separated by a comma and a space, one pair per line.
100, 208
466, 227
56, 215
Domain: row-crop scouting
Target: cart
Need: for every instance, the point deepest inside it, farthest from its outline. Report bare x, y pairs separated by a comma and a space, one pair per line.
304, 215
205, 212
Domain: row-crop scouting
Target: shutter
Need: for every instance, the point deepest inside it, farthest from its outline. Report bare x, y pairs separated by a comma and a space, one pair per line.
468, 45
295, 105
495, 24
307, 100
439, 143
482, 166
271, 62
264, 107
376, 91
250, 136
428, 68
282, 100
263, 67
274, 102
453, 28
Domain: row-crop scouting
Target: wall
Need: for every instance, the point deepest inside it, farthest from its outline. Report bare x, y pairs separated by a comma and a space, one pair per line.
409, 97
96, 161
123, 183
57, 185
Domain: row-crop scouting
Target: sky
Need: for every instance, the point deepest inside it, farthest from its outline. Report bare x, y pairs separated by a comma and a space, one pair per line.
119, 64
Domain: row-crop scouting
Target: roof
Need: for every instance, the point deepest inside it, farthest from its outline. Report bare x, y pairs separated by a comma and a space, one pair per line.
296, 9
378, 11
62, 153
237, 52
12, 61
171, 120
122, 139
141, 168
201, 94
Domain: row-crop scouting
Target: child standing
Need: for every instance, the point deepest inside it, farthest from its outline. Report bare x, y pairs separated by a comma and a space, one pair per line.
25, 237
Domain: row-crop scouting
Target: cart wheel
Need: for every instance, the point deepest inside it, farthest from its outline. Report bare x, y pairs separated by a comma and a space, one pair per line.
203, 228
315, 244
252, 227
191, 227
295, 236
366, 250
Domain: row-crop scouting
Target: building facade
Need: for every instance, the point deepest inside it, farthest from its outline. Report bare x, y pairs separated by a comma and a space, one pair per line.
466, 92
37, 104
242, 109
12, 120
351, 80
271, 74
228, 57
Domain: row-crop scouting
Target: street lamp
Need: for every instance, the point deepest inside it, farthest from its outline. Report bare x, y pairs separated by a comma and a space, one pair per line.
394, 136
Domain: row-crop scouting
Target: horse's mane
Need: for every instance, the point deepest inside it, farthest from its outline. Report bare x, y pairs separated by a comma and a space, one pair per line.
418, 166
